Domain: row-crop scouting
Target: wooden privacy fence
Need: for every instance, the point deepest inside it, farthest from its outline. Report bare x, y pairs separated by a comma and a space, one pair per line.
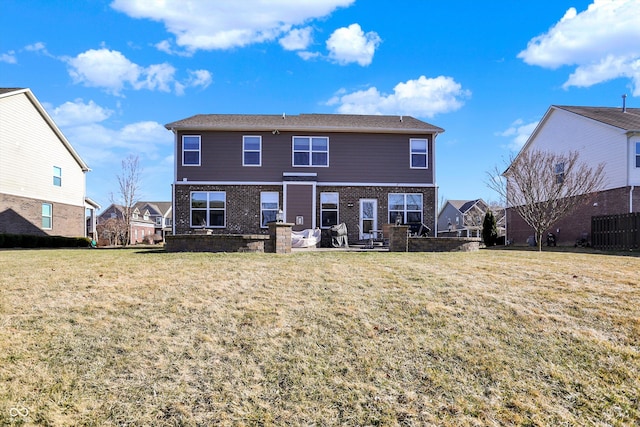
616, 232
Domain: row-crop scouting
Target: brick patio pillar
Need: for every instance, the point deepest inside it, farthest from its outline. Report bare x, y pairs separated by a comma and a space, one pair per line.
399, 238
279, 238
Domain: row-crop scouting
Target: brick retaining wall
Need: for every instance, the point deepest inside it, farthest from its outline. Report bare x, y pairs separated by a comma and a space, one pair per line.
216, 243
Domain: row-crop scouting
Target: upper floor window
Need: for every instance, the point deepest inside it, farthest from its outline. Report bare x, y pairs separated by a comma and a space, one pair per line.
159, 220
638, 154
418, 153
310, 151
47, 216
57, 176
328, 209
558, 171
135, 214
269, 205
191, 150
146, 216
251, 150
208, 209
406, 205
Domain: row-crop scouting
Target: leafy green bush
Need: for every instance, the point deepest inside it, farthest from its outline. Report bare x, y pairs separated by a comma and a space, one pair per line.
33, 241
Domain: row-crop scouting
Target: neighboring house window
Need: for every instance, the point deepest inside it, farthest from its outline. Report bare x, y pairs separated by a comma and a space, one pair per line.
191, 150
328, 209
57, 176
310, 151
208, 209
146, 216
269, 205
159, 220
559, 172
135, 214
251, 151
408, 206
418, 153
47, 216
638, 154
112, 215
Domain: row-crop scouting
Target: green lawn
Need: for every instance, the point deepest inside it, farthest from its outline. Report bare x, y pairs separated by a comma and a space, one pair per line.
495, 337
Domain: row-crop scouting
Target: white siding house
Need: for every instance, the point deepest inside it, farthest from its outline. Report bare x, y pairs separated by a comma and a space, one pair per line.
600, 135
42, 178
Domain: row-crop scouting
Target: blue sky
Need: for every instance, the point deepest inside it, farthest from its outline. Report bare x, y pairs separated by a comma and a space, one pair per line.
112, 73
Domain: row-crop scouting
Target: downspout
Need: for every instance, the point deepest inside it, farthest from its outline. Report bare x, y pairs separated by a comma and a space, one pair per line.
435, 204
175, 179
631, 199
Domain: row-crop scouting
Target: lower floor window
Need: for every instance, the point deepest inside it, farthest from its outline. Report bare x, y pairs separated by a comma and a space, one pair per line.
269, 205
208, 209
47, 216
407, 206
328, 209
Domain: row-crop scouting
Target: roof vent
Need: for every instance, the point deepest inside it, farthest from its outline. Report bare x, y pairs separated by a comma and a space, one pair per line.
624, 103
284, 116
400, 118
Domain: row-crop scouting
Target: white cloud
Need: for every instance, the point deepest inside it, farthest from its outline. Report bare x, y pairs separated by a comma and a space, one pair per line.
78, 113
225, 24
602, 42
113, 72
424, 97
519, 132
297, 39
9, 57
351, 44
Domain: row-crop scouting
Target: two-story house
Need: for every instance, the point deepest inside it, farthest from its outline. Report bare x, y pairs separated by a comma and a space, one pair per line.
600, 135
234, 173
149, 222
42, 178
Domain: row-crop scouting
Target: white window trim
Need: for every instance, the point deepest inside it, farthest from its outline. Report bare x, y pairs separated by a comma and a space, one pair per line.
337, 209
207, 209
310, 151
199, 150
50, 216
244, 150
426, 153
57, 173
405, 210
637, 154
263, 193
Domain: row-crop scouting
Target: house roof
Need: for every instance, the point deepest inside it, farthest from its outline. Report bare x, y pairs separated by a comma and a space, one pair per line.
463, 205
306, 122
628, 120
6, 92
160, 207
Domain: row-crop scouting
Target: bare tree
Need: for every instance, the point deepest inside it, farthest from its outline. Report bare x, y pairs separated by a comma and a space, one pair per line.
129, 192
543, 187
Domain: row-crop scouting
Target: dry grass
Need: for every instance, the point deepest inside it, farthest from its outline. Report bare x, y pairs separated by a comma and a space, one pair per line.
119, 337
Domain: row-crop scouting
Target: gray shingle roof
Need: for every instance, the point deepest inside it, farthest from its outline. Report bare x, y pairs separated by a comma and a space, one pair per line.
307, 122
628, 120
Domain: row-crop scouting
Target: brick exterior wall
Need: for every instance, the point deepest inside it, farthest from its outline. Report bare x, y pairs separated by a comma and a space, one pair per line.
243, 206
20, 215
568, 229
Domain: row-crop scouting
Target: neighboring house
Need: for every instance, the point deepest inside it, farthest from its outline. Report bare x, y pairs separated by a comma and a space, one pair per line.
150, 221
600, 135
42, 178
463, 218
233, 173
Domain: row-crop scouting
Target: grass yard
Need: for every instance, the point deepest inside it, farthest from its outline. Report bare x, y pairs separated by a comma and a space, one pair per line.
495, 337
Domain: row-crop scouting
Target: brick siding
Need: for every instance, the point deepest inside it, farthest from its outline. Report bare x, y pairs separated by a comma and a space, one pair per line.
243, 206
21, 215
568, 229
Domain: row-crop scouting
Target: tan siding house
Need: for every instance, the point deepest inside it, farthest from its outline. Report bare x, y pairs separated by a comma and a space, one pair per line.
42, 178
600, 135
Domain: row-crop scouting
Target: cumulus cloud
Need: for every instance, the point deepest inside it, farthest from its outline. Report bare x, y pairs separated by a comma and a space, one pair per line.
351, 44
113, 72
423, 97
601, 42
9, 57
518, 133
226, 24
297, 39
79, 113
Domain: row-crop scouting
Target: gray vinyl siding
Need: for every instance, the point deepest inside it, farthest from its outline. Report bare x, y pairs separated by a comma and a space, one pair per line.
362, 158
